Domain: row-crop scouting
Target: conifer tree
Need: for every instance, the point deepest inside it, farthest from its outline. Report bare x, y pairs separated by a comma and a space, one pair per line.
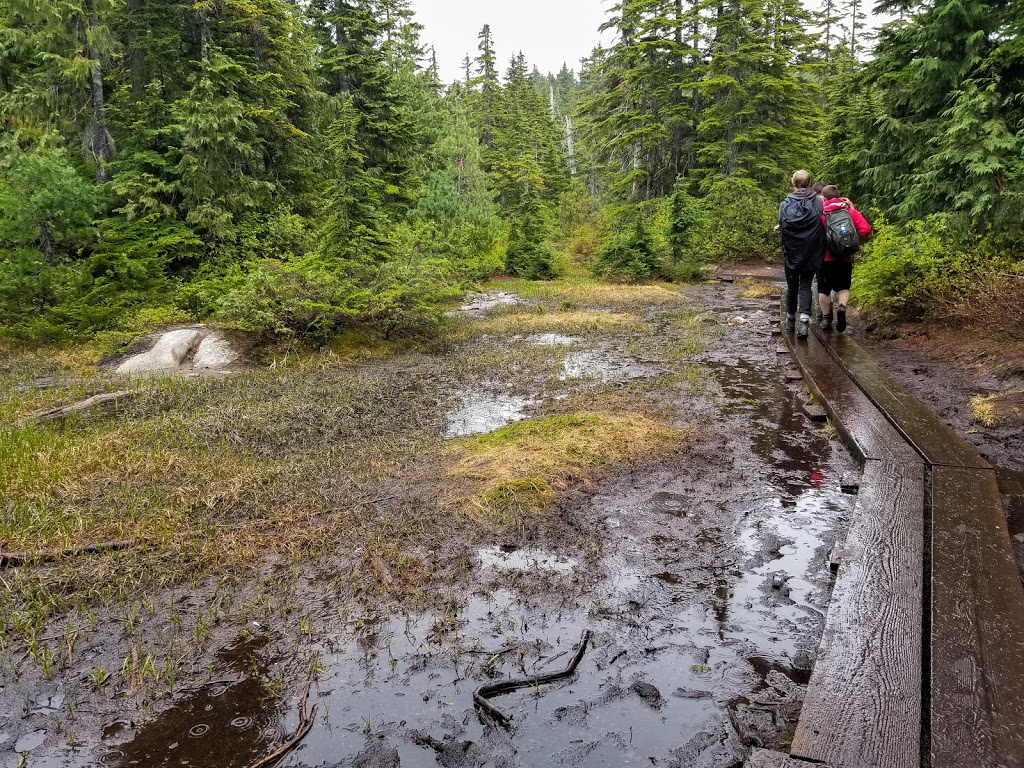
948, 137
484, 89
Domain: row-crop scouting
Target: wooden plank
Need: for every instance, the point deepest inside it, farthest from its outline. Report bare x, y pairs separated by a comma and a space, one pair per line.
933, 439
977, 626
863, 703
867, 433
765, 758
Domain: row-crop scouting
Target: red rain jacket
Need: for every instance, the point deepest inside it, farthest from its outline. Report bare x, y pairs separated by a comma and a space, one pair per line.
863, 228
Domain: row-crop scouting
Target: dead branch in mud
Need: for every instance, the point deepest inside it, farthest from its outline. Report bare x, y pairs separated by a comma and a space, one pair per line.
305, 723
16, 559
105, 400
488, 710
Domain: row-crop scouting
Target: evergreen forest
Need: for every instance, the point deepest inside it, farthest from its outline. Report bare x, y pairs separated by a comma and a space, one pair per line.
297, 169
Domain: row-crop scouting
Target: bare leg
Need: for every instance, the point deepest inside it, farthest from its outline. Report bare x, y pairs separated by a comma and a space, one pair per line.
825, 302
841, 298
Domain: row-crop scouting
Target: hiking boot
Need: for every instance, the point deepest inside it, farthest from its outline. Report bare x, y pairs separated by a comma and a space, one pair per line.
790, 322
841, 319
826, 322
804, 329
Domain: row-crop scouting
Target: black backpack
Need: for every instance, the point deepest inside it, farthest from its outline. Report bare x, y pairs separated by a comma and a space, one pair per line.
803, 242
841, 235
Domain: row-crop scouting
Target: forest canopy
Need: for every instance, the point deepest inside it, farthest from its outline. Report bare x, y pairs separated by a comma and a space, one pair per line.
295, 169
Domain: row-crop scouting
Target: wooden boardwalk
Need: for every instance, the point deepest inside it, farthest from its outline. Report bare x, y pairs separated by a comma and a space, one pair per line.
921, 660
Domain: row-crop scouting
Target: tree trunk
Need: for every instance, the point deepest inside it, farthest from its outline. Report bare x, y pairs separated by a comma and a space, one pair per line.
100, 137
137, 56
675, 158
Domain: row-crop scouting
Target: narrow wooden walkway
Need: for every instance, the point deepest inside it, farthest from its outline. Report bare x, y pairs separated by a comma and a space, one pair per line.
922, 656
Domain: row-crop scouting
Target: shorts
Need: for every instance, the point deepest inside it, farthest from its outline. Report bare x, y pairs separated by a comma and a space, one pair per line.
835, 276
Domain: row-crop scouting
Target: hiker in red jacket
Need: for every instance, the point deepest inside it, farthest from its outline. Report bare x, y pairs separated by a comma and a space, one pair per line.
845, 230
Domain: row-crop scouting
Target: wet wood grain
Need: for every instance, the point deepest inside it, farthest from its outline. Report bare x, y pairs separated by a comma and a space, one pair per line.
934, 440
867, 432
863, 704
977, 626
764, 758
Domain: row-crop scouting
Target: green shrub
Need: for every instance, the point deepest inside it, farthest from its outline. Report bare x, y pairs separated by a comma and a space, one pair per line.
629, 256
895, 268
937, 268
530, 259
736, 223
315, 298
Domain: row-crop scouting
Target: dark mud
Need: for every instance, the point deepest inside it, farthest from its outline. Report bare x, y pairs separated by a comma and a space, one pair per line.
703, 579
945, 368
936, 371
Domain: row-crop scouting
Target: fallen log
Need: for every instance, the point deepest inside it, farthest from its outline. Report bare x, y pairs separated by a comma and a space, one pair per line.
106, 399
484, 692
16, 559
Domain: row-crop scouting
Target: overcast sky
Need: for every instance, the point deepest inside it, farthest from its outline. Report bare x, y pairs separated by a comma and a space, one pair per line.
549, 32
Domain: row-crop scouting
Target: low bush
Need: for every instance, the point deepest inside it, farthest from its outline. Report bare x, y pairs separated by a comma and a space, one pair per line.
938, 269
630, 256
530, 259
736, 223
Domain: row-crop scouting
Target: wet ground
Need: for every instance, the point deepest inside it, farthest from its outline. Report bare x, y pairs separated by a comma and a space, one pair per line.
703, 580
944, 369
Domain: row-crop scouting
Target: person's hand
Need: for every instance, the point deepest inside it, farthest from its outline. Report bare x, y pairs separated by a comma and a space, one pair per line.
777, 229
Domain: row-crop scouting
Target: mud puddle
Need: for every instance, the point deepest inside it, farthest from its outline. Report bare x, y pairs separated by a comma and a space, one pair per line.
703, 581
482, 412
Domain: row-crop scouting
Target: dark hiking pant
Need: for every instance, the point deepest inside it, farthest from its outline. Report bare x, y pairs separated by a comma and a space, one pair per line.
798, 291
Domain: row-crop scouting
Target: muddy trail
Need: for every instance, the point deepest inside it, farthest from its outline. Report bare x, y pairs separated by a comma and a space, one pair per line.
702, 576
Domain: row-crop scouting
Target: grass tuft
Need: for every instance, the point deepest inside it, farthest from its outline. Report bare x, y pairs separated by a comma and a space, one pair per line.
757, 289
516, 498
1000, 409
535, 459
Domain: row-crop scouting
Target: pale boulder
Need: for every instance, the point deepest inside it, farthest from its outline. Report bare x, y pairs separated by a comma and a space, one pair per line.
214, 353
167, 354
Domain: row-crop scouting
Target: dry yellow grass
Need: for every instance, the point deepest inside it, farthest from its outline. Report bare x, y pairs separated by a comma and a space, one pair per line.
588, 293
760, 290
520, 468
1000, 409
554, 322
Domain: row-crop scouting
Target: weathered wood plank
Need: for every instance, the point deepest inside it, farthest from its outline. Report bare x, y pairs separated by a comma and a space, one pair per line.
866, 431
863, 703
977, 626
764, 758
937, 442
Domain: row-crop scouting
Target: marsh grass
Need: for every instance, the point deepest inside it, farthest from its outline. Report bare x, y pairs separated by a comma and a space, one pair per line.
319, 457
205, 474
999, 409
531, 320
589, 293
522, 466
757, 289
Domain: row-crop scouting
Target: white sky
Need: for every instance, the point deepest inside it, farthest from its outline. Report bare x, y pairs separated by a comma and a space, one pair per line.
549, 32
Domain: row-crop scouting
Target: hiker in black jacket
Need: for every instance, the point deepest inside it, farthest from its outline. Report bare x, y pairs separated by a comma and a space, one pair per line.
803, 248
